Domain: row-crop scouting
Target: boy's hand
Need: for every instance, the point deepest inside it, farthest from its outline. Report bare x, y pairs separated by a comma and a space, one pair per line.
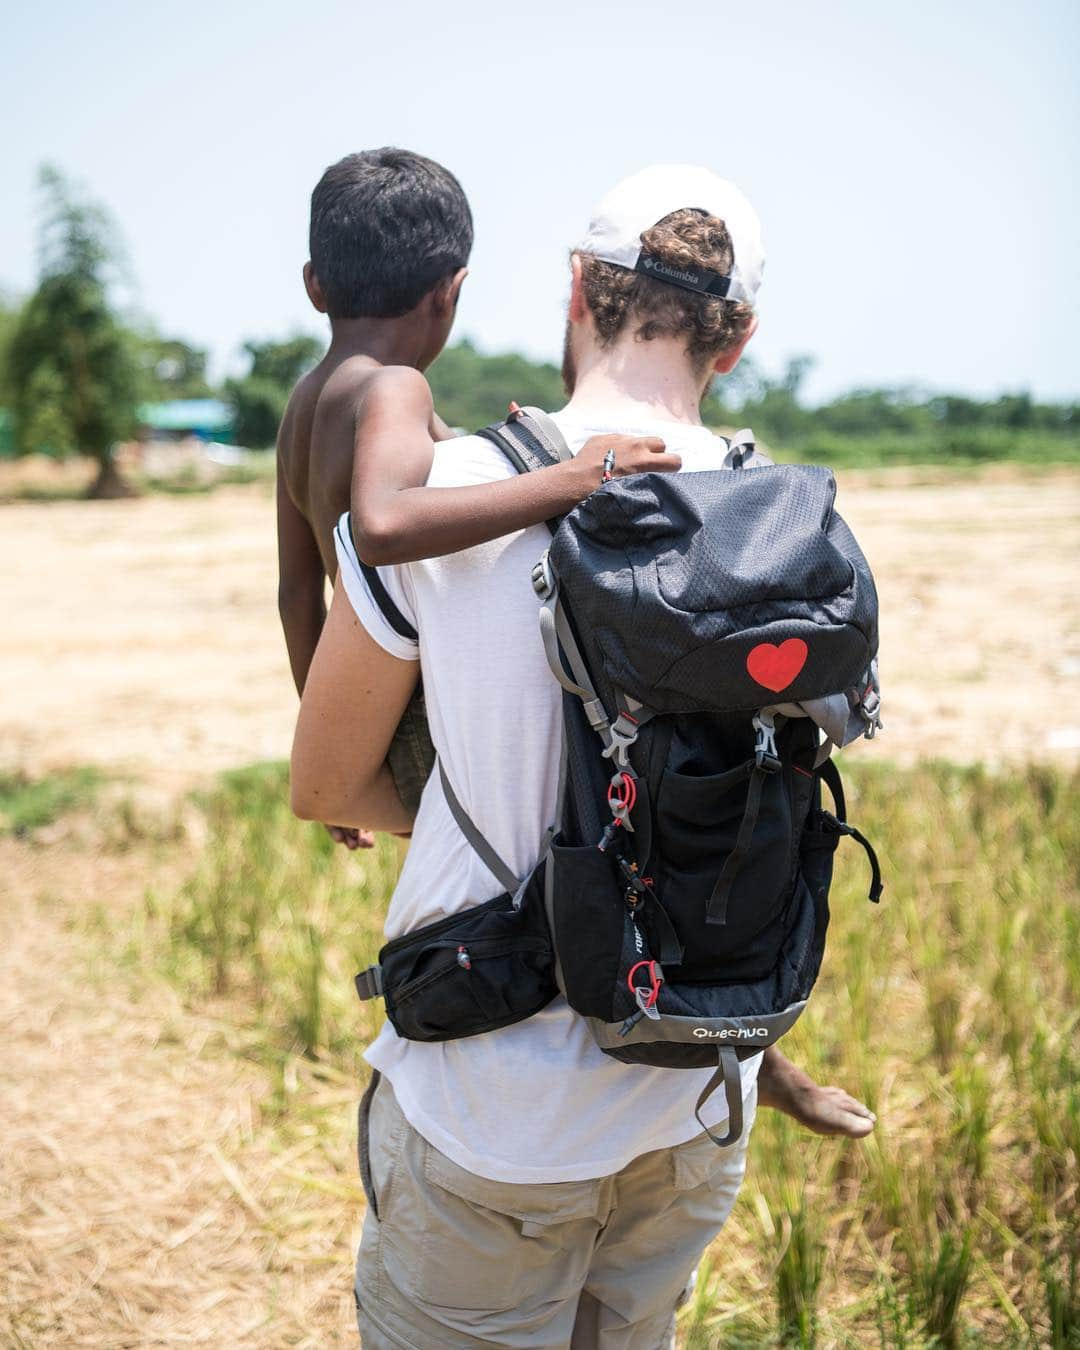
352, 839
632, 454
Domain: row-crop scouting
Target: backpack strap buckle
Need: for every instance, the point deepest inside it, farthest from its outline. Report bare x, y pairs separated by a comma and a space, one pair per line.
621, 735
765, 753
369, 983
542, 580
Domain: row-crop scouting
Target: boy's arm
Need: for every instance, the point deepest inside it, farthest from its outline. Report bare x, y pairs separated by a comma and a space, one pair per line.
396, 519
301, 583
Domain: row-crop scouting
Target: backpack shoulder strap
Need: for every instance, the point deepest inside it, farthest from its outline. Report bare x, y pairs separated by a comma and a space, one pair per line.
530, 440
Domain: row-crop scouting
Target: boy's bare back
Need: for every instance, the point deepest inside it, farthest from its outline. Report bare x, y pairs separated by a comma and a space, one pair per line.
315, 447
315, 465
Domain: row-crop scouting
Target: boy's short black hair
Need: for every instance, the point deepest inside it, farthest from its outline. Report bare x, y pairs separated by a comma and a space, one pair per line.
386, 226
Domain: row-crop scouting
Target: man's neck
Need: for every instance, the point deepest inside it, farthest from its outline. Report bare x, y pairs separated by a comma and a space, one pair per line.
638, 381
390, 342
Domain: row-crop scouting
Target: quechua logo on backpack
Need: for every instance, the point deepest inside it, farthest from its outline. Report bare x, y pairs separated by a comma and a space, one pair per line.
776, 667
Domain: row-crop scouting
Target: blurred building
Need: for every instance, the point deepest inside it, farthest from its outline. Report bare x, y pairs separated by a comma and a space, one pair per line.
205, 419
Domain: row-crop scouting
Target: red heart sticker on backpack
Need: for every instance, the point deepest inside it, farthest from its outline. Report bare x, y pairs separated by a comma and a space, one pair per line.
776, 667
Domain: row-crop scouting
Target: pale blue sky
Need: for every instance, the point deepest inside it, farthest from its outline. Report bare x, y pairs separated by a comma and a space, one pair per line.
914, 165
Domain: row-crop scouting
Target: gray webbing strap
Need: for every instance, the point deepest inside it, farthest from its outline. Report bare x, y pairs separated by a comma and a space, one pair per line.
728, 1073
530, 440
546, 432
555, 631
483, 849
716, 909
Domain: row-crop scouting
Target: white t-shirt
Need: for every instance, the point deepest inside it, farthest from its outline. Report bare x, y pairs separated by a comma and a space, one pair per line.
537, 1101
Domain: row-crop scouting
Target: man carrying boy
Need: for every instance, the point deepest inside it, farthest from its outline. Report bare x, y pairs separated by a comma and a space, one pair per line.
525, 1190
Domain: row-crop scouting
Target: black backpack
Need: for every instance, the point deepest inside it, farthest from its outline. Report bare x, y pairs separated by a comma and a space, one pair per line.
704, 626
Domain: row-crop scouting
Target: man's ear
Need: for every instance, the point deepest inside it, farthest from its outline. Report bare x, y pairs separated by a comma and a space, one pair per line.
314, 288
726, 362
444, 297
577, 309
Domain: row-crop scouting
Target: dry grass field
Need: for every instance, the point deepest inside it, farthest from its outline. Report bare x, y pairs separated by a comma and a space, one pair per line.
143, 635
181, 1051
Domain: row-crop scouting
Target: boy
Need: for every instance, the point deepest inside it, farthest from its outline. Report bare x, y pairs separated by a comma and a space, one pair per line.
390, 238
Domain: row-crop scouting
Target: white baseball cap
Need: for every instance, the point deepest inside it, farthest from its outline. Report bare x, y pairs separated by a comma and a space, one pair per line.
642, 200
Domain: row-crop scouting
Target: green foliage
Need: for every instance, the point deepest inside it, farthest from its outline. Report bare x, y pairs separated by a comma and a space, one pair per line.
979, 445
471, 390
71, 366
878, 427
259, 397
171, 369
26, 803
9, 318
798, 1280
867, 428
258, 407
282, 363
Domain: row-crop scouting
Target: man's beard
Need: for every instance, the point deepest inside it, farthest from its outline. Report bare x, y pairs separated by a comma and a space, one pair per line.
569, 364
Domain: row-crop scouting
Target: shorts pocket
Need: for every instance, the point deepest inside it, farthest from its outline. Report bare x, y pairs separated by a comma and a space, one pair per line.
699, 1162
491, 1245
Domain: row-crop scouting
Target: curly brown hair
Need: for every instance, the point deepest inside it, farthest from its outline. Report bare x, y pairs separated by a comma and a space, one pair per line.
617, 297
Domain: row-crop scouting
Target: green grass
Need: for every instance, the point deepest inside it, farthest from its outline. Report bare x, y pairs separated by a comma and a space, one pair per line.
191, 481
187, 481
952, 1008
958, 449
27, 804
278, 913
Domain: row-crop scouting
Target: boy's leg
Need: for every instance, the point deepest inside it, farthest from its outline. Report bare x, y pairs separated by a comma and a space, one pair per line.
411, 755
825, 1110
449, 1259
668, 1207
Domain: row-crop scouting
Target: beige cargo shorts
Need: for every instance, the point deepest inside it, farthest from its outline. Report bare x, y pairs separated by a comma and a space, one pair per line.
451, 1261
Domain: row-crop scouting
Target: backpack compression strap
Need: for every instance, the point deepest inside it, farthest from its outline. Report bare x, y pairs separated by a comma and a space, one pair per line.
730, 1075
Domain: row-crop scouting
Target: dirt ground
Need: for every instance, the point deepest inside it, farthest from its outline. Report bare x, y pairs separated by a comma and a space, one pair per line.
143, 635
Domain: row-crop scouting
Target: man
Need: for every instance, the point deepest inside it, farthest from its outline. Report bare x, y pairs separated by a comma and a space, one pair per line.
524, 1189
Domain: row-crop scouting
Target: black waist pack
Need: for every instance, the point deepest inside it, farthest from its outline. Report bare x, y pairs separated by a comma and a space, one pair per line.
474, 971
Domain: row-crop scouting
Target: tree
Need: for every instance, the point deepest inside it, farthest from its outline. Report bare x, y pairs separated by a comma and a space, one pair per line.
259, 398
72, 366
171, 368
472, 390
9, 318
773, 409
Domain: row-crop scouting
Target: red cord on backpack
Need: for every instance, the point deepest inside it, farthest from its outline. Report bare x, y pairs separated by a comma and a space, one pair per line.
655, 981
622, 794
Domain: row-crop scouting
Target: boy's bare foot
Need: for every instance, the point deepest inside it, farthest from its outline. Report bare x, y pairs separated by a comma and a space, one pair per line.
825, 1110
